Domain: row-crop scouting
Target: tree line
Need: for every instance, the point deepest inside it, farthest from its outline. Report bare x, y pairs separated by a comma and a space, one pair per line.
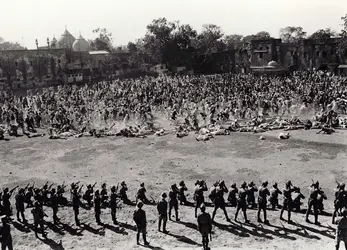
176, 44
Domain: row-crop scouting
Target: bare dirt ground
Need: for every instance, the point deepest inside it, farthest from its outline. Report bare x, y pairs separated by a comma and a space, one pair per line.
162, 161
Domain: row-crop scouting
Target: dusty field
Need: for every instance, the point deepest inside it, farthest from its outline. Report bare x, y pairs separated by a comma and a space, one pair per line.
160, 162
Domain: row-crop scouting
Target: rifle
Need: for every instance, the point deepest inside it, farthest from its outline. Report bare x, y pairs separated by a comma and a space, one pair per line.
94, 185
117, 187
13, 189
338, 184
63, 185
33, 185
80, 189
50, 186
77, 183
26, 187
46, 183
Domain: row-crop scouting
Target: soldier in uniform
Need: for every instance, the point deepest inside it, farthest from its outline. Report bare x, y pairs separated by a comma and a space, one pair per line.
250, 195
173, 201
88, 195
38, 196
232, 195
6, 237
181, 196
200, 188
242, 203
139, 218
20, 205
287, 201
219, 200
60, 194
104, 196
341, 230
212, 194
123, 192
113, 204
204, 226
97, 206
45, 191
321, 197
162, 210
313, 202
28, 195
38, 215
141, 194
262, 200
73, 187
54, 205
297, 196
340, 198
6, 203
274, 192
76, 205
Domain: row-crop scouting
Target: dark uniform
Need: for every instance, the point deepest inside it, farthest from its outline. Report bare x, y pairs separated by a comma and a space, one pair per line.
262, 201
181, 196
219, 200
341, 230
232, 195
173, 201
113, 204
28, 195
54, 205
287, 201
104, 195
38, 215
313, 202
162, 210
274, 192
200, 188
141, 194
20, 198
204, 226
88, 195
250, 195
212, 194
6, 237
340, 199
76, 205
242, 203
139, 218
123, 192
97, 206
6, 203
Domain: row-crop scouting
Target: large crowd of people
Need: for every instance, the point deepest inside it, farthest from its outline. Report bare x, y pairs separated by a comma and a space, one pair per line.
201, 101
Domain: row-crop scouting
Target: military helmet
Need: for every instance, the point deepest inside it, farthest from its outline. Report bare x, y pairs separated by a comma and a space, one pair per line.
244, 184
142, 184
89, 186
97, 192
275, 185
233, 185
113, 188
197, 182
5, 190
264, 184
181, 183
251, 184
342, 186
123, 183
163, 195
103, 185
288, 183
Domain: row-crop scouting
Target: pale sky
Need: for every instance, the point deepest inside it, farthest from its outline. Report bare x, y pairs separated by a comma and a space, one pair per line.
26, 20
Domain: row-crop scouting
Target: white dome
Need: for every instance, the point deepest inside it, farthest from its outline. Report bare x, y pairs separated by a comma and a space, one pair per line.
272, 64
66, 40
80, 44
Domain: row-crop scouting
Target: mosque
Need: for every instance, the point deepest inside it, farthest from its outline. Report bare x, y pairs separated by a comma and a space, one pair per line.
68, 41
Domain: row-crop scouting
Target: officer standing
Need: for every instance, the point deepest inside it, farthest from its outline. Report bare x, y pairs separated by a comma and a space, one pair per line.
139, 218
6, 237
173, 201
162, 210
204, 226
113, 204
20, 198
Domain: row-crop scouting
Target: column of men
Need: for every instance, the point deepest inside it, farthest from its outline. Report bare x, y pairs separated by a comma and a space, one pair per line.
242, 198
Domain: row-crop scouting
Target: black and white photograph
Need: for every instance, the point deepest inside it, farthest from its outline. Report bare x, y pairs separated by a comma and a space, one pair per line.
173, 124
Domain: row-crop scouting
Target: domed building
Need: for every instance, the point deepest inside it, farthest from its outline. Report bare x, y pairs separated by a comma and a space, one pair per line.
66, 40
80, 45
272, 64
